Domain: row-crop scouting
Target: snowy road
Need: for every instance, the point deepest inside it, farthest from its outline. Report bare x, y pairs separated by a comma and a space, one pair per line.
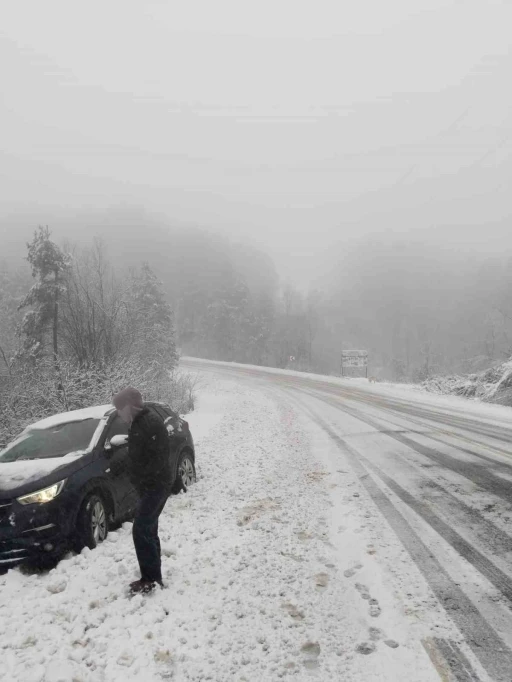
337, 532
427, 482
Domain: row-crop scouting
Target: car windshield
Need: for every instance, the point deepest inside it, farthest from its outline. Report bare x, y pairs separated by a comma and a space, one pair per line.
55, 441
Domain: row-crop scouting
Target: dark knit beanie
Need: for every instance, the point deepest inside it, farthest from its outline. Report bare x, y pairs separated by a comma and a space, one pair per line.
128, 396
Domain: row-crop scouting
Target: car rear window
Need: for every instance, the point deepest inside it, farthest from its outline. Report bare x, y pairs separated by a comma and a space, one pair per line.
160, 411
56, 441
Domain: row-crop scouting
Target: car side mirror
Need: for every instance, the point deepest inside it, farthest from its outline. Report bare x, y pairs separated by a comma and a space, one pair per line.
115, 443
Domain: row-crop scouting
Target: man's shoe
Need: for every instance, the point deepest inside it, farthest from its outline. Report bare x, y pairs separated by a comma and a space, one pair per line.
144, 586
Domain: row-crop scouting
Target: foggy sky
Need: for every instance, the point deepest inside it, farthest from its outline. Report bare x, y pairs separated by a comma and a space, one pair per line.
297, 124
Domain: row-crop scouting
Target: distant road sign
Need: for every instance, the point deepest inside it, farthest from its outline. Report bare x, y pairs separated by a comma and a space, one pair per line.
354, 360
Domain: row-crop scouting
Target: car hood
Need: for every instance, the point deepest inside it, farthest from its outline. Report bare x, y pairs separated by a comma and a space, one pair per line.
19, 477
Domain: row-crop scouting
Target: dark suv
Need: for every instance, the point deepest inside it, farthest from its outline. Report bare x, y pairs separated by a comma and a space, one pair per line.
63, 481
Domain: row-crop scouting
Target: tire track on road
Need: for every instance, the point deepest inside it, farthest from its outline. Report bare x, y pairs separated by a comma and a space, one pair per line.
489, 570
488, 647
453, 658
392, 405
457, 436
489, 535
476, 473
381, 401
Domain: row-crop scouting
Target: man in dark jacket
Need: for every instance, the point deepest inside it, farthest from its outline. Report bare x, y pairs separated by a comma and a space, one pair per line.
150, 473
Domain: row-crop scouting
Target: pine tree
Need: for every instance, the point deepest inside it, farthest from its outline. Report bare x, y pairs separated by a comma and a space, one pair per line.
152, 327
13, 287
40, 326
229, 319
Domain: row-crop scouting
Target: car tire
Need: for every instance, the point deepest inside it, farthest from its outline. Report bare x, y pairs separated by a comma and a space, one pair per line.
42, 563
92, 522
186, 472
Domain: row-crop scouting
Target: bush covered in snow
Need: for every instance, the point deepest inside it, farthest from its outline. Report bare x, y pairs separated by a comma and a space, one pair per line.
29, 396
492, 385
87, 334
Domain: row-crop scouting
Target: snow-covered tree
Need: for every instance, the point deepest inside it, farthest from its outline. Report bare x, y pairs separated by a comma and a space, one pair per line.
40, 325
14, 283
93, 310
150, 326
228, 319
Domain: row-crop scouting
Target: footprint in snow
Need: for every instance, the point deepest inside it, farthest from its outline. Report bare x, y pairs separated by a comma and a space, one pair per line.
163, 656
363, 591
375, 634
365, 648
296, 558
349, 573
321, 581
311, 651
391, 643
254, 510
375, 609
304, 535
293, 611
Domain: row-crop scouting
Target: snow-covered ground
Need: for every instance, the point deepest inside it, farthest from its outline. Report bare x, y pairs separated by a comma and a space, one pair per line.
271, 565
425, 481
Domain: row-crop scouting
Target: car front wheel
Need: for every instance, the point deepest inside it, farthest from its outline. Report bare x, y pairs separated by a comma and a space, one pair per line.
186, 472
92, 523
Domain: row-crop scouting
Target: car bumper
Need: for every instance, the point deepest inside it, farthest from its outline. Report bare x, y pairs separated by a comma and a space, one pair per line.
44, 540
27, 532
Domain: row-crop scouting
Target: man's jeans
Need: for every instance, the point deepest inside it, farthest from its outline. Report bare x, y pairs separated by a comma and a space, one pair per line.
145, 534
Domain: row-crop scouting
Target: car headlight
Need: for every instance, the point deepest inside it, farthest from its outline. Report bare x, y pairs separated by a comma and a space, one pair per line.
42, 496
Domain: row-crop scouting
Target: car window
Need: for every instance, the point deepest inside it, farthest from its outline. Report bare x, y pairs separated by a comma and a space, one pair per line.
56, 441
169, 412
161, 412
117, 428
167, 415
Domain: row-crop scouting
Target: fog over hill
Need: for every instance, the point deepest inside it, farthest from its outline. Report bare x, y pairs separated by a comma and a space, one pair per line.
338, 180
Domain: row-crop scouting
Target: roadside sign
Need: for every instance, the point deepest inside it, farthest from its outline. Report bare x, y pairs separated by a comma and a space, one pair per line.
355, 361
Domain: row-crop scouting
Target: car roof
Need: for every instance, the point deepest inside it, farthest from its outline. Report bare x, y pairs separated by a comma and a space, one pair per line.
96, 412
154, 403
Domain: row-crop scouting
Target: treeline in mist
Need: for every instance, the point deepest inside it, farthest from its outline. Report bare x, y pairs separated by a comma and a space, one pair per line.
418, 308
